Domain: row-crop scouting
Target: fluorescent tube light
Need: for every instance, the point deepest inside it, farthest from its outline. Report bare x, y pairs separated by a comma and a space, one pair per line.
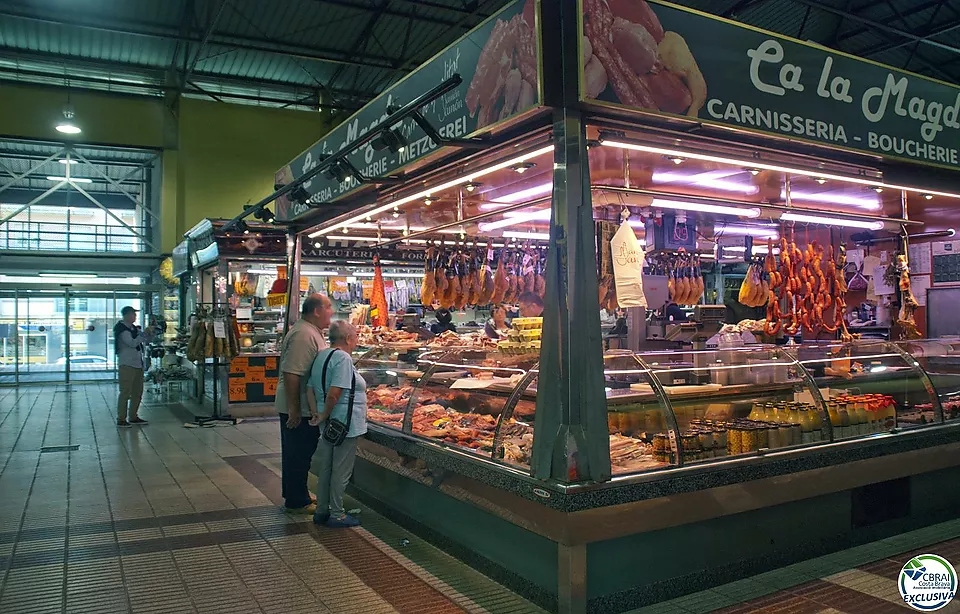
710, 179
73, 179
520, 218
69, 275
539, 236
754, 164
435, 189
522, 195
65, 161
833, 199
750, 212
832, 221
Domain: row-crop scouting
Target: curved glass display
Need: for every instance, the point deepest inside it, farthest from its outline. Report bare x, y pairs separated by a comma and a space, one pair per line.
737, 402
672, 408
940, 359
390, 374
461, 396
873, 386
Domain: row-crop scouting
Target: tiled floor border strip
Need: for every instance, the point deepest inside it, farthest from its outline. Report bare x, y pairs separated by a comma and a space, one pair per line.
133, 524
353, 551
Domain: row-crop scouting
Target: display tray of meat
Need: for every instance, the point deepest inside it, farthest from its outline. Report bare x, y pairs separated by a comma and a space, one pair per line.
471, 431
628, 455
517, 443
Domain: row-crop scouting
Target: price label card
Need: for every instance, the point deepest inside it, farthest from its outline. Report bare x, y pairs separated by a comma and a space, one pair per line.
244, 313
271, 363
256, 377
238, 365
270, 387
238, 392
219, 329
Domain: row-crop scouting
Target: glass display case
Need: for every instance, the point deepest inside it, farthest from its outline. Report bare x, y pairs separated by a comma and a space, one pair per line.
940, 360
671, 408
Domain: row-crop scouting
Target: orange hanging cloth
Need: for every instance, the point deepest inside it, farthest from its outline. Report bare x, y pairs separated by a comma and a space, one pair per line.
378, 300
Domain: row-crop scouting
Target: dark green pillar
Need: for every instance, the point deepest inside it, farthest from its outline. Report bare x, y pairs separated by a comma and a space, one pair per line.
571, 442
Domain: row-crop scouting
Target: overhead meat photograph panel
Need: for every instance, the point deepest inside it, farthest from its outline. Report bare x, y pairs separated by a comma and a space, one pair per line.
499, 65
670, 60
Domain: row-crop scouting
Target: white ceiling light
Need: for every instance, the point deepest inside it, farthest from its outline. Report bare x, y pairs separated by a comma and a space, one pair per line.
831, 221
73, 179
65, 161
519, 197
750, 212
517, 218
66, 125
829, 198
70, 275
436, 189
754, 164
710, 179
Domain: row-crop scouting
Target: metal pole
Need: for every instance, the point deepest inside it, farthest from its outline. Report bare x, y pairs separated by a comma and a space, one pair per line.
66, 333
16, 337
572, 442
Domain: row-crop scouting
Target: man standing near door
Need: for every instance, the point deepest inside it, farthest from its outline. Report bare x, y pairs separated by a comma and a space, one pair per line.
129, 342
298, 439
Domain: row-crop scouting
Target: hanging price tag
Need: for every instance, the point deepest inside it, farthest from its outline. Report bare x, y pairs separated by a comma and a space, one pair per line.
219, 330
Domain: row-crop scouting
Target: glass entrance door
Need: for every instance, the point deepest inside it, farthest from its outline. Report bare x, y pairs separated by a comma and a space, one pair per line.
34, 330
38, 326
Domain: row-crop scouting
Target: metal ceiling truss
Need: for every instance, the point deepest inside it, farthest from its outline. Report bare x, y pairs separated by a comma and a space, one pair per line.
101, 69
67, 152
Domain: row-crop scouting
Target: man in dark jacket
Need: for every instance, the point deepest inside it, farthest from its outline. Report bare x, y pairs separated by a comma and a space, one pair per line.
129, 343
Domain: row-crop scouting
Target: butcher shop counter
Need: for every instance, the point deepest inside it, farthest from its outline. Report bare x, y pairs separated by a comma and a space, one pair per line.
723, 464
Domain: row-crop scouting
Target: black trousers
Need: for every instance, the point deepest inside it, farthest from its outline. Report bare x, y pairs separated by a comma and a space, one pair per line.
296, 452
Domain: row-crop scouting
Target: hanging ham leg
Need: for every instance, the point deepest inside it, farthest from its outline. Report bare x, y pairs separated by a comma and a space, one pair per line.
429, 285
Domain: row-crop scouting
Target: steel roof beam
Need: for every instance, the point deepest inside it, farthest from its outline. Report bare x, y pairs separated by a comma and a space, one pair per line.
404, 14
939, 31
156, 74
871, 24
246, 43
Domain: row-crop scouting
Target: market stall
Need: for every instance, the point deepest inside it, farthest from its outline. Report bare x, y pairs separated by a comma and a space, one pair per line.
751, 233
236, 290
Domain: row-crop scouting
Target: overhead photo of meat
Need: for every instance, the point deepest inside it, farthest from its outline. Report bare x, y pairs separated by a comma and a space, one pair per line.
629, 58
505, 82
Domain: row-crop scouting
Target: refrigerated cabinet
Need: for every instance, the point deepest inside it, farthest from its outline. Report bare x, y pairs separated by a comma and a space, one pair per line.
748, 457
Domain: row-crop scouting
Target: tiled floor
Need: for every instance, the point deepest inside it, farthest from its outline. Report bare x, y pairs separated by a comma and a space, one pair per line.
171, 519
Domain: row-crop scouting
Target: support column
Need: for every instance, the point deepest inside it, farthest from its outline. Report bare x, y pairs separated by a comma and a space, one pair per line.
571, 441
294, 258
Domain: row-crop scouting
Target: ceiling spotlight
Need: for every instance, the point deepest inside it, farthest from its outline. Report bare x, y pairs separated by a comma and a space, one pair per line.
675, 159
820, 180
522, 167
876, 188
66, 125
470, 187
298, 195
318, 244
264, 214
338, 171
390, 139
241, 226
753, 171
927, 196
428, 201
247, 231
346, 230
396, 213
